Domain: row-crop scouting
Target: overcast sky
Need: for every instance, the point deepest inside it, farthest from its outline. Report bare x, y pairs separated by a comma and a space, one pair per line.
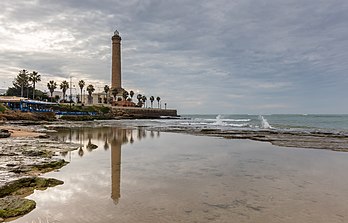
199, 56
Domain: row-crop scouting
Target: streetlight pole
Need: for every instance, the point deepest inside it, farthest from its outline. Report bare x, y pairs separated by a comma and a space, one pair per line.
70, 97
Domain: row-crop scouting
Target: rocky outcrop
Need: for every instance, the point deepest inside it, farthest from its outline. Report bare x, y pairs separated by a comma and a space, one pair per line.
129, 112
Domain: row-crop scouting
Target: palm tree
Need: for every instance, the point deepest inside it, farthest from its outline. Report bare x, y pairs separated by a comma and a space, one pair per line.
152, 98
64, 86
140, 98
34, 77
90, 90
114, 92
51, 85
144, 100
81, 85
158, 101
125, 94
131, 94
107, 89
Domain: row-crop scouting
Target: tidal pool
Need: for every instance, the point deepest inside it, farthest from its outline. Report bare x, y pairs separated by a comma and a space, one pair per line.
144, 176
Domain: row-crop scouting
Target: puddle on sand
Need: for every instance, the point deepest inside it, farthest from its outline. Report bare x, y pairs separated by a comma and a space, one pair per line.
143, 176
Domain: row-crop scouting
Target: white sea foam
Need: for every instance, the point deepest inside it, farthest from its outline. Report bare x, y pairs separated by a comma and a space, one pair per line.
264, 123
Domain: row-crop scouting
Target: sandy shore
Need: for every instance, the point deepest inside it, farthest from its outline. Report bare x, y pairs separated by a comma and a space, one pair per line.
21, 131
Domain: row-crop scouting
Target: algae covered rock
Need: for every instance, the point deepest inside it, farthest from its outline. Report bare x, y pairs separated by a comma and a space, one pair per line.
27, 185
12, 206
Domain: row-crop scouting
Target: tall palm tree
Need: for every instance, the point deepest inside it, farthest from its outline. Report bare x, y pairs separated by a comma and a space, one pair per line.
90, 90
64, 86
144, 98
34, 77
158, 101
106, 89
114, 92
51, 85
152, 98
81, 85
131, 94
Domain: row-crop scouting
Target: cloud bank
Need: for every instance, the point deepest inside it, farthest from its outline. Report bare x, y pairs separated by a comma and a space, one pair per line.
199, 56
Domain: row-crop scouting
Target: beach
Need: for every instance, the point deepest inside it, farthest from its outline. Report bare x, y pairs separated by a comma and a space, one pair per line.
139, 174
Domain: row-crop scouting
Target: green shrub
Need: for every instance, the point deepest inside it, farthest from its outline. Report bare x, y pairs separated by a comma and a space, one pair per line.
2, 108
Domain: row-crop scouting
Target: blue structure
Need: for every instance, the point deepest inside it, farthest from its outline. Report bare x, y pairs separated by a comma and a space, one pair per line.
26, 105
36, 106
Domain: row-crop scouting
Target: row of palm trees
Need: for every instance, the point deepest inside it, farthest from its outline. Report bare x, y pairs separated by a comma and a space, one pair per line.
64, 86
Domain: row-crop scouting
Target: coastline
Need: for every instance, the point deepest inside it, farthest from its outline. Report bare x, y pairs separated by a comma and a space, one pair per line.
35, 160
171, 177
24, 156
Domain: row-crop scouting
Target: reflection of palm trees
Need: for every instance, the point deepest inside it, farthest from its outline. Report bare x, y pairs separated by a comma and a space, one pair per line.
141, 133
131, 140
81, 152
106, 144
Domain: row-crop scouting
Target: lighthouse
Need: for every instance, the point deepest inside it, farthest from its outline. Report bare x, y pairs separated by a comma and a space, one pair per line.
116, 61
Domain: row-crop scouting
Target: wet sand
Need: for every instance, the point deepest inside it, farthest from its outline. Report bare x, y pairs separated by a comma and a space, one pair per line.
142, 176
21, 131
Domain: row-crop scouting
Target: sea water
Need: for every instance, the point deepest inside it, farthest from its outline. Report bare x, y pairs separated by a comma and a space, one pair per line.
276, 122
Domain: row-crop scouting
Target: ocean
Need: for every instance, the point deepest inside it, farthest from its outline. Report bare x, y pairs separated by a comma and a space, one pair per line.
277, 122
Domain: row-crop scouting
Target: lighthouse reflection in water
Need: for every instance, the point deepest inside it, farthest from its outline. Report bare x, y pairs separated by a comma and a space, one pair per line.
107, 139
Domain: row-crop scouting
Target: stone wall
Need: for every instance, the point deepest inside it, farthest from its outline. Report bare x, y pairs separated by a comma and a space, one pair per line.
143, 112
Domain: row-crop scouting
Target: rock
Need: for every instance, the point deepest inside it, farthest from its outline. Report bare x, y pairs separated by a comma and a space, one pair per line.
4, 133
43, 136
12, 206
91, 146
27, 185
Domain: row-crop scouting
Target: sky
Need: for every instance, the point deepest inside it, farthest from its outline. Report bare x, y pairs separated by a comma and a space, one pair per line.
199, 56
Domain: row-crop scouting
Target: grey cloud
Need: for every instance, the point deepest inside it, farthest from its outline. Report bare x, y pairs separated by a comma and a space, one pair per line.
195, 54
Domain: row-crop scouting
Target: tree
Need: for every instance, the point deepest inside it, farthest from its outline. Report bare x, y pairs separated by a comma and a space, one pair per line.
125, 94
22, 80
106, 89
158, 101
114, 92
64, 86
34, 77
131, 94
152, 98
81, 85
51, 85
144, 100
140, 98
90, 90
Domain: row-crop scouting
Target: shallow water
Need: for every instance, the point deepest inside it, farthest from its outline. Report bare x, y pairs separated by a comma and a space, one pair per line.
143, 176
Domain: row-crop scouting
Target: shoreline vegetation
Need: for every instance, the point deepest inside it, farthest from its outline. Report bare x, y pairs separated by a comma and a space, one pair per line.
30, 152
